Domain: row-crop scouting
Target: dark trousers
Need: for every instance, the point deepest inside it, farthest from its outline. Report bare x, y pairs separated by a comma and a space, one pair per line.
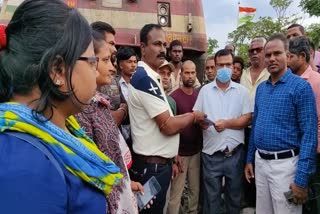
249, 189
142, 172
312, 206
215, 167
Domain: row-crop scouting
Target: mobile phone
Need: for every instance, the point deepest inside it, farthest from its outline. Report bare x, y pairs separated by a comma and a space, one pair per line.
289, 196
151, 189
209, 122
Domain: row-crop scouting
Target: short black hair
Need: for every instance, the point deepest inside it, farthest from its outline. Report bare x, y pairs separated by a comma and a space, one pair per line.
222, 52
300, 45
98, 40
301, 28
175, 43
238, 59
124, 53
103, 27
281, 37
145, 31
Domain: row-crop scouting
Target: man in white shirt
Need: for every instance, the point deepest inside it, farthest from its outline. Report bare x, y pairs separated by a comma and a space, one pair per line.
227, 105
127, 64
154, 128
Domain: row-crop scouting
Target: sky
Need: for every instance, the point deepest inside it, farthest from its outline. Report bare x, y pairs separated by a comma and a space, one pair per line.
221, 15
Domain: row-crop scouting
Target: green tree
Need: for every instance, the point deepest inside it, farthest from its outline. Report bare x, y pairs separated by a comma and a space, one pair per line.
242, 50
280, 7
264, 26
311, 6
313, 32
212, 44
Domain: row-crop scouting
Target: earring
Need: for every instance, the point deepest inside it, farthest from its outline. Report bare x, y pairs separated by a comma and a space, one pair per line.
58, 82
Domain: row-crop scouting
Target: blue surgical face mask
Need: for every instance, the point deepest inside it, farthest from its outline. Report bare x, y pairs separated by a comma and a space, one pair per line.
224, 74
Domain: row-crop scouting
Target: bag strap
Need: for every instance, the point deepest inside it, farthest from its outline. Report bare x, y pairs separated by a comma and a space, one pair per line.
36, 143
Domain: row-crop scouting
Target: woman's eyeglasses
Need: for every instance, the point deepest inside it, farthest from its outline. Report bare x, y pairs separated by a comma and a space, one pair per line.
92, 60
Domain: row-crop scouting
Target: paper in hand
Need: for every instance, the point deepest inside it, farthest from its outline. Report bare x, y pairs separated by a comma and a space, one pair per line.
209, 122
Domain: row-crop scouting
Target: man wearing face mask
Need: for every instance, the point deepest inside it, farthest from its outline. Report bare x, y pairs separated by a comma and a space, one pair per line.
227, 105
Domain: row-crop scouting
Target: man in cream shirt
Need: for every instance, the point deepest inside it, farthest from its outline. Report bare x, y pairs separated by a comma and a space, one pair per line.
257, 72
251, 78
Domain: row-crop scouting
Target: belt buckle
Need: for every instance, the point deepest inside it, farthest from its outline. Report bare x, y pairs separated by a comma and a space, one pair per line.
227, 154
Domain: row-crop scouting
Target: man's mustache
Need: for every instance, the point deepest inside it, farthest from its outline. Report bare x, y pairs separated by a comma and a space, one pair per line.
163, 55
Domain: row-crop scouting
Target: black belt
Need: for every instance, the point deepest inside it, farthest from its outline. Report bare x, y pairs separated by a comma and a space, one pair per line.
154, 159
228, 153
279, 155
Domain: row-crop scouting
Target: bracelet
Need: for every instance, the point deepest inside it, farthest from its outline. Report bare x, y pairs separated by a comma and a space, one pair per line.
124, 111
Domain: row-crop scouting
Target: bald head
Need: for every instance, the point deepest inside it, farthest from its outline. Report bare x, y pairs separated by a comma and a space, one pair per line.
188, 74
230, 47
188, 64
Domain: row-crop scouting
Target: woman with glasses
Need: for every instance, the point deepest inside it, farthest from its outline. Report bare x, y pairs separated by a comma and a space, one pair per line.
47, 74
99, 124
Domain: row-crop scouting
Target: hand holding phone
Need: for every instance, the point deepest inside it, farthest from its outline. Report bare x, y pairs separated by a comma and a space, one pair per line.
289, 196
151, 189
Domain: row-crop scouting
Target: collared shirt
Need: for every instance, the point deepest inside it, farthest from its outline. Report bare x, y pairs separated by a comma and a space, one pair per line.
313, 79
218, 104
147, 100
113, 91
316, 59
247, 82
124, 88
285, 118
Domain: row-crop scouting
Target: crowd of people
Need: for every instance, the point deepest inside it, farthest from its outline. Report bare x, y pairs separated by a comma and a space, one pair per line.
83, 126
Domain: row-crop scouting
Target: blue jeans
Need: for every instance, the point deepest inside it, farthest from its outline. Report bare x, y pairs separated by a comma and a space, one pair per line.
215, 167
142, 172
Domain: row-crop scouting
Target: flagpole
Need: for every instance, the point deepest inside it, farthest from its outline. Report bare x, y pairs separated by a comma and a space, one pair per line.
238, 14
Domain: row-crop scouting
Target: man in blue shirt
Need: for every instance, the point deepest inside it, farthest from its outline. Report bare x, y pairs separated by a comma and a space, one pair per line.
284, 135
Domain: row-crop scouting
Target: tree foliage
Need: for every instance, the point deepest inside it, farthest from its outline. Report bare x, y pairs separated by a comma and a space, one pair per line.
313, 32
264, 26
311, 6
280, 7
212, 44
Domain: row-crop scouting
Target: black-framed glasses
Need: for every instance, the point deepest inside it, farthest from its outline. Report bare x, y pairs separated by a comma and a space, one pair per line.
253, 50
92, 60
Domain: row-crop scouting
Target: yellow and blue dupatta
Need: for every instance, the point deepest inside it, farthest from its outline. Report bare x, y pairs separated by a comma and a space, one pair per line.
77, 152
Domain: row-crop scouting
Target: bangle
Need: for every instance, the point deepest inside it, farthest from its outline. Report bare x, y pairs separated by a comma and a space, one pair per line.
124, 111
